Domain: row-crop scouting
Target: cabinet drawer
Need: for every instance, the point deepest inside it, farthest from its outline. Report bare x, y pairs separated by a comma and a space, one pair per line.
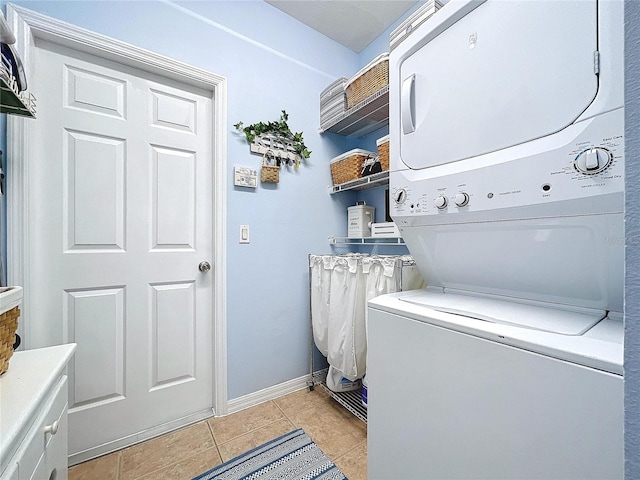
54, 461
36, 441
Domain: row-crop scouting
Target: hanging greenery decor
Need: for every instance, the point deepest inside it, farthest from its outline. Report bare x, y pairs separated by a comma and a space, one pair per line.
278, 128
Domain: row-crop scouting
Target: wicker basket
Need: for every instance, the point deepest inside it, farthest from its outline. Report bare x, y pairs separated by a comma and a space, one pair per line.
270, 171
348, 166
368, 81
383, 152
8, 327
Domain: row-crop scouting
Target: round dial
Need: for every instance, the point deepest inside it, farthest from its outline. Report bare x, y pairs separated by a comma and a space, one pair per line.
461, 199
440, 201
400, 196
592, 160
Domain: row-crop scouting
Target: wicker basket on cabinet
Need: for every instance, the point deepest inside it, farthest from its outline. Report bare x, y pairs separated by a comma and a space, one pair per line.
8, 328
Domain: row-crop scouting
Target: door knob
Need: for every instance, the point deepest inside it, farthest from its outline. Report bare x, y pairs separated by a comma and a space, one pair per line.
204, 267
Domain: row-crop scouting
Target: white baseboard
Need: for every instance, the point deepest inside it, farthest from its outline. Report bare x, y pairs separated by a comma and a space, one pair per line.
109, 447
270, 393
235, 405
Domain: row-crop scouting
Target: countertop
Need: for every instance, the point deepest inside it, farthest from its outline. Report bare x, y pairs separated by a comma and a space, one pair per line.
23, 388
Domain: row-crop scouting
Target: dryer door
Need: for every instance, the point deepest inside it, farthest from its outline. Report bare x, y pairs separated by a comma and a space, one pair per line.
505, 73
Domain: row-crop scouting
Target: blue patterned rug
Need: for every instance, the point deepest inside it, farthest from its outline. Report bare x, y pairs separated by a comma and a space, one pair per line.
293, 456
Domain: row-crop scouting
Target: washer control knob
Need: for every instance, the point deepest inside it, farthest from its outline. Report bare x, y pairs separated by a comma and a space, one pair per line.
400, 196
592, 160
440, 202
461, 199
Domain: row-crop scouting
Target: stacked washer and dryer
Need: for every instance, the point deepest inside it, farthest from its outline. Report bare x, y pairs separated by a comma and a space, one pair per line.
507, 180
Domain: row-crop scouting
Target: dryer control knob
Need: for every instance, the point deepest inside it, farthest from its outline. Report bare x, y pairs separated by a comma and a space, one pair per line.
593, 160
440, 202
461, 199
400, 196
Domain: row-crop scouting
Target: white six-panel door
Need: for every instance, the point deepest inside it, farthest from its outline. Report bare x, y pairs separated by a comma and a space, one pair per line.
120, 201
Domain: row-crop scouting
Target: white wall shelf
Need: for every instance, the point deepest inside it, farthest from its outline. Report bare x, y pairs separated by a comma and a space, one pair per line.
370, 181
368, 116
392, 241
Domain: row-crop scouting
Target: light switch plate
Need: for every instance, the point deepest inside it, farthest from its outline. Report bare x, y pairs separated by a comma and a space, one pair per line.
244, 234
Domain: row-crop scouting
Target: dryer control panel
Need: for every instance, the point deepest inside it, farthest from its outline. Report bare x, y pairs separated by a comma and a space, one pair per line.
571, 165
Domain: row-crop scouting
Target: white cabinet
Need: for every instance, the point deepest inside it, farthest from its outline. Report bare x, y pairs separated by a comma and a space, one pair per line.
33, 402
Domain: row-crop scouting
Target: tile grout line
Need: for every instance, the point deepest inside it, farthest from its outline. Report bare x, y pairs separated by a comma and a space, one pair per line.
350, 450
187, 457
285, 415
119, 466
301, 410
296, 426
255, 430
215, 442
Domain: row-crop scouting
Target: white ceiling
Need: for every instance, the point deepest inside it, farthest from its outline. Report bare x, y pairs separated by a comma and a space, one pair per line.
352, 23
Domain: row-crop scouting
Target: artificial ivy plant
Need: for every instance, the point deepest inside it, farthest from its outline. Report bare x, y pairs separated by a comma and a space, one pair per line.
278, 128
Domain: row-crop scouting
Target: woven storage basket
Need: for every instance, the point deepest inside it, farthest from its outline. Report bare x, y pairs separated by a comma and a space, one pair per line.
270, 171
383, 152
8, 327
368, 81
348, 166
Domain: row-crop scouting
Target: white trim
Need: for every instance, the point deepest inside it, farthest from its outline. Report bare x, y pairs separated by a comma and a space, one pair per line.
269, 393
28, 26
220, 252
62, 33
17, 192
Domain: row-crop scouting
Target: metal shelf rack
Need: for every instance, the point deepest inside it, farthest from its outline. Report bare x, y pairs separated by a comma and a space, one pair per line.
368, 116
370, 181
366, 241
352, 401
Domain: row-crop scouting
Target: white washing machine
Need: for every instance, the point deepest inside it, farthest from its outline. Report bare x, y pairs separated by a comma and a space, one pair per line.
507, 179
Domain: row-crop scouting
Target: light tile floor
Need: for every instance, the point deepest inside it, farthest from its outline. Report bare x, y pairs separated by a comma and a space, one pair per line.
185, 453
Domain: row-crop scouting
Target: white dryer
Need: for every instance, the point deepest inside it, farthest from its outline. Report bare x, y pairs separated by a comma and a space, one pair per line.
507, 183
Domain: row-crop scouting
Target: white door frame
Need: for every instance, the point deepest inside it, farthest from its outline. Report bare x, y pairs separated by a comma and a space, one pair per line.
29, 26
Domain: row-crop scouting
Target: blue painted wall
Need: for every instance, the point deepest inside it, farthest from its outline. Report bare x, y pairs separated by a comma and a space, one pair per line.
632, 233
271, 63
